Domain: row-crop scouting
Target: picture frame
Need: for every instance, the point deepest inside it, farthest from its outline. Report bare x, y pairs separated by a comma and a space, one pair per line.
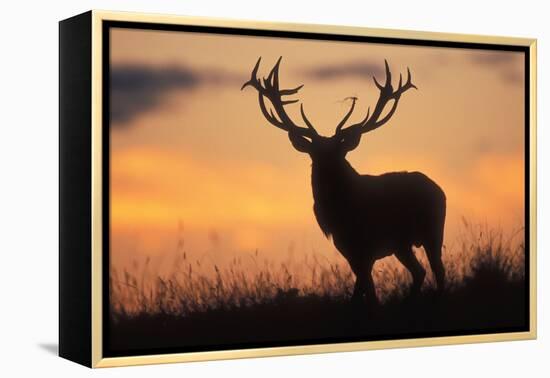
88, 102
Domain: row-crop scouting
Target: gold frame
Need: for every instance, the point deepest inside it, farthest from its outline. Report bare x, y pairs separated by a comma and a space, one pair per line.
97, 357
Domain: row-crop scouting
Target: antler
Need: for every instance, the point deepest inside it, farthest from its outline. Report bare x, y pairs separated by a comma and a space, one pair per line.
387, 94
270, 90
346, 117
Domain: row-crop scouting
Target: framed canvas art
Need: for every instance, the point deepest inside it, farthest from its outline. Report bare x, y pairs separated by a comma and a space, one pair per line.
235, 189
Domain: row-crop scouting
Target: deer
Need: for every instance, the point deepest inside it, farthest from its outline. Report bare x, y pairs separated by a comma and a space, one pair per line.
368, 217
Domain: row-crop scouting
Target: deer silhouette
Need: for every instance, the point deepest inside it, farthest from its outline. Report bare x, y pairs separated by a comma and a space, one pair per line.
368, 217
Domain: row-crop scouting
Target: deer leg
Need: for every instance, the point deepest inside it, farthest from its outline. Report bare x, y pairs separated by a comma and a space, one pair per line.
359, 288
433, 251
370, 290
364, 284
408, 259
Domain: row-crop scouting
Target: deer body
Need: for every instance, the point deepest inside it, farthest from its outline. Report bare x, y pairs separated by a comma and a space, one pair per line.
371, 217
368, 217
375, 210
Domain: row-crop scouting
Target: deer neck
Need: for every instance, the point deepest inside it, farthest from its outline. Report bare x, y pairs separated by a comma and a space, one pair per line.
332, 185
331, 180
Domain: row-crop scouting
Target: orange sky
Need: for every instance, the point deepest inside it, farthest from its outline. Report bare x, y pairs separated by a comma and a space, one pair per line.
188, 147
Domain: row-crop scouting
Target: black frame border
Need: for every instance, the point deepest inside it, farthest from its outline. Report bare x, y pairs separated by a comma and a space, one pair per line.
75, 181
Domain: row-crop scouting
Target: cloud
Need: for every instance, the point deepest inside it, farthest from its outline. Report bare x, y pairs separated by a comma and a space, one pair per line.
508, 65
146, 191
494, 58
139, 88
361, 69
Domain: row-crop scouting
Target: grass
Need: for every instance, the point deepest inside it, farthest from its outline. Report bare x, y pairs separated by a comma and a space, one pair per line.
255, 301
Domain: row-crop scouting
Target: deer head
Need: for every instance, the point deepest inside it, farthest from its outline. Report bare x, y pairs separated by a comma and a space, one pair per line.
306, 139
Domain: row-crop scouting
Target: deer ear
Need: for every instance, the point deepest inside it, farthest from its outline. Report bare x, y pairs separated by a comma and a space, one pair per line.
299, 142
351, 141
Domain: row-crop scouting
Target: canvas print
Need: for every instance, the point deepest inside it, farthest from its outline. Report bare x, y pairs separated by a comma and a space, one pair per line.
294, 190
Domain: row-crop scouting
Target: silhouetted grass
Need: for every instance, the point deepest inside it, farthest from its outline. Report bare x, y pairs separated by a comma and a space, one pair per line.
259, 302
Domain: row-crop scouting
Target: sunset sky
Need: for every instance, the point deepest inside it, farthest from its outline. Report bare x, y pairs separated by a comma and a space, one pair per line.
192, 155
